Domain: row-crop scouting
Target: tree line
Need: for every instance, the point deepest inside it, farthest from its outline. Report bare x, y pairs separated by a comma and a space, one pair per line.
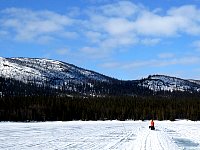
53, 108
104, 101
85, 87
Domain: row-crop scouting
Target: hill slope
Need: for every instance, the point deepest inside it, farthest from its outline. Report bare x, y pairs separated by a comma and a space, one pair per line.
72, 79
167, 83
40, 70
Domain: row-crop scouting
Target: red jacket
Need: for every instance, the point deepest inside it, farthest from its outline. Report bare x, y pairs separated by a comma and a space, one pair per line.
152, 123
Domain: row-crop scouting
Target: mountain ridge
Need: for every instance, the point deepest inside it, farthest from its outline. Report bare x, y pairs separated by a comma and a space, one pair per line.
61, 75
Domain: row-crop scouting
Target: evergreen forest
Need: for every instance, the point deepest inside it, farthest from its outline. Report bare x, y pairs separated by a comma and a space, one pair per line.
28, 102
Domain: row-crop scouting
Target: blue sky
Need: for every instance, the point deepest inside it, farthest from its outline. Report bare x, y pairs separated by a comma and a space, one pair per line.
122, 39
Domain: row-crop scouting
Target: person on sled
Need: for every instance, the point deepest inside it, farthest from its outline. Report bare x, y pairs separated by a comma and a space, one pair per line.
152, 125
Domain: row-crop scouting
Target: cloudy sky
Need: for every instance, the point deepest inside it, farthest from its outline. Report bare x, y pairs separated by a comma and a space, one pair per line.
119, 38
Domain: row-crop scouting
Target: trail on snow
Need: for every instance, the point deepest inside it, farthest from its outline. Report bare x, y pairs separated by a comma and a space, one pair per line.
154, 140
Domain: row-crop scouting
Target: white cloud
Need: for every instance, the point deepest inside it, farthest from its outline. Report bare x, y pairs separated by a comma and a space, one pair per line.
145, 22
118, 41
28, 25
99, 2
189, 19
120, 9
153, 63
114, 29
110, 21
150, 24
118, 26
188, 11
178, 61
150, 41
125, 23
103, 28
196, 45
119, 18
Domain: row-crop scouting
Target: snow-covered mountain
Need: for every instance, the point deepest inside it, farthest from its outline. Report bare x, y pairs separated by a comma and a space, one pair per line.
59, 74
167, 83
45, 70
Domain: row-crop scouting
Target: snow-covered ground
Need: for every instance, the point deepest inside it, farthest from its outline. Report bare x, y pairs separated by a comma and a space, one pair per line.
87, 135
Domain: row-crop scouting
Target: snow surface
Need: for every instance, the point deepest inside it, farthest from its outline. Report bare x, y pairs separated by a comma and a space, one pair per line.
94, 135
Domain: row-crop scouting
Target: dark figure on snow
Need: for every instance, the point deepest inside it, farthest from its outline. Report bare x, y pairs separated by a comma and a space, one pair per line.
152, 125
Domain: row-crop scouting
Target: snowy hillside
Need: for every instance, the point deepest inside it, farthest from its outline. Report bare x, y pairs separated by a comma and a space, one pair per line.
66, 76
167, 83
194, 81
44, 70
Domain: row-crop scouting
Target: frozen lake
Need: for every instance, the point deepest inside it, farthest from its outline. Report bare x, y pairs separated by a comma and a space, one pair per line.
92, 135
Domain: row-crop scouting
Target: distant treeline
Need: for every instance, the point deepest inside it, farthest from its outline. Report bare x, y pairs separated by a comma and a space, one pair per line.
54, 108
10, 87
117, 100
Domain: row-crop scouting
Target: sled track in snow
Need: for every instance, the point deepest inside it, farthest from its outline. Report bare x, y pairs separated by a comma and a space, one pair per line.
154, 140
122, 140
145, 145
